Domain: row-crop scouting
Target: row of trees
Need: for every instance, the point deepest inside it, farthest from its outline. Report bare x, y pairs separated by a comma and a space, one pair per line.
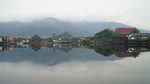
105, 35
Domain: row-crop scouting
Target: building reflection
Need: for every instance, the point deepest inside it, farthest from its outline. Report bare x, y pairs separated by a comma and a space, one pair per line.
121, 51
106, 50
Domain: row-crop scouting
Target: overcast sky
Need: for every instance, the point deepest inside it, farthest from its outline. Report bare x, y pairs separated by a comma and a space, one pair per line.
131, 12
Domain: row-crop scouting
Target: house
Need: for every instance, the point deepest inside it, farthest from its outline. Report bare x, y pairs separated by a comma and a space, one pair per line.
125, 31
1, 48
1, 39
120, 42
142, 36
5, 39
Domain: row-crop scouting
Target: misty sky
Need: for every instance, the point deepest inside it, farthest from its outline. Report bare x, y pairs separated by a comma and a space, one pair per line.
131, 12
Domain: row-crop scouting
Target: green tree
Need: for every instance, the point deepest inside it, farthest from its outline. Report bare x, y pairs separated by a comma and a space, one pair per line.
135, 30
106, 34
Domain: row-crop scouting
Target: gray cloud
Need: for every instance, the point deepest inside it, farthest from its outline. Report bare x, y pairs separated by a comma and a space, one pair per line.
131, 12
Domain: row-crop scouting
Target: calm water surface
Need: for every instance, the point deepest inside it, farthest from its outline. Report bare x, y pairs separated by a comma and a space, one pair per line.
71, 66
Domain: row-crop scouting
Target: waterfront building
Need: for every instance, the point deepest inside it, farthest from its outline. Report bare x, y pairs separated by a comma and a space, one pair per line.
1, 39
1, 48
4, 40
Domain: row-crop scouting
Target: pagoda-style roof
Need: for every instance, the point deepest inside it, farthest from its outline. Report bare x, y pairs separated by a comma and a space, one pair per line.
125, 30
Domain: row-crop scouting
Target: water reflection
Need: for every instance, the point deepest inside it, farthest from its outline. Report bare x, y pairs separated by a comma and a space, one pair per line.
73, 64
106, 50
52, 54
125, 71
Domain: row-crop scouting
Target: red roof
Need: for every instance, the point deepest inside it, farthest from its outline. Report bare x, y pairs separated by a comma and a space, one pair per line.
124, 54
11, 39
124, 30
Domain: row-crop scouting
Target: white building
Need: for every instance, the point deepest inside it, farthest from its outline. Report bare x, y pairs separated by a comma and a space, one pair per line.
1, 39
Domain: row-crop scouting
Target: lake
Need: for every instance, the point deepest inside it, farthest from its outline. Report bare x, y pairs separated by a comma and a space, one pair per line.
74, 65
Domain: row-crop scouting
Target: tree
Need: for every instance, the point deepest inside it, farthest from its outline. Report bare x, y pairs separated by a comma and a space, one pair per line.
106, 34
115, 34
135, 30
64, 36
86, 40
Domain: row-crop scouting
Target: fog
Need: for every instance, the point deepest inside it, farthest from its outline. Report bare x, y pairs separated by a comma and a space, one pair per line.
130, 12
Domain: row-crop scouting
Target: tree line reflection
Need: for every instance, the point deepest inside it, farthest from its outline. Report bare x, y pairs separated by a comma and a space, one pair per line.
106, 50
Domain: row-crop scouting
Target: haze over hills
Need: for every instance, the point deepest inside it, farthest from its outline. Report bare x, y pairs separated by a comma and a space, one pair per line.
48, 26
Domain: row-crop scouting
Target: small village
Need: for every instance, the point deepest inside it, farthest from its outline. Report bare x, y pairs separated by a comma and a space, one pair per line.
74, 41
126, 41
120, 36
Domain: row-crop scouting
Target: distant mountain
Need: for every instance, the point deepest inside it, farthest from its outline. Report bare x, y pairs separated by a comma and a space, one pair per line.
46, 27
